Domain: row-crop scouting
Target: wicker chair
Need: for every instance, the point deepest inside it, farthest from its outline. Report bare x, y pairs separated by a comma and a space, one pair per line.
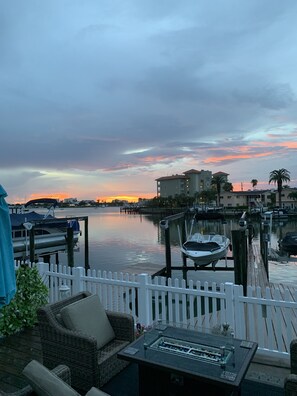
291, 379
61, 371
89, 366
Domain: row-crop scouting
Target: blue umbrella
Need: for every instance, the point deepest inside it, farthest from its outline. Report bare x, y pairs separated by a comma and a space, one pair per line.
7, 271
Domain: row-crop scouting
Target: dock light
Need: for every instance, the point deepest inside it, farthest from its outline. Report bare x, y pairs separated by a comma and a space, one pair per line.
28, 225
242, 223
64, 291
164, 224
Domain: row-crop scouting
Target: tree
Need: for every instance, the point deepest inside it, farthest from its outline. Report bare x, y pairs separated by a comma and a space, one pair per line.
228, 187
217, 181
293, 195
278, 176
206, 196
254, 182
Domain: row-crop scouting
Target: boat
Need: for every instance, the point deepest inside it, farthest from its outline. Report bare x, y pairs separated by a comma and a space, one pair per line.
49, 232
205, 249
288, 243
275, 214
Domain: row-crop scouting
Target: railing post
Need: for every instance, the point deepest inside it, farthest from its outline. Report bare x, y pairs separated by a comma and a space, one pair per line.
78, 283
229, 290
144, 303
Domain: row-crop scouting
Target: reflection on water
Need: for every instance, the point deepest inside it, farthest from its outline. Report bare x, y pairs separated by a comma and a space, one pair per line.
119, 241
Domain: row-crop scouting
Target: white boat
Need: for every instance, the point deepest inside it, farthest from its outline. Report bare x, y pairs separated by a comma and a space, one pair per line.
205, 249
275, 214
49, 232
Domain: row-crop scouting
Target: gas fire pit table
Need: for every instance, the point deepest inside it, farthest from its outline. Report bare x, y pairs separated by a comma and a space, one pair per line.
177, 361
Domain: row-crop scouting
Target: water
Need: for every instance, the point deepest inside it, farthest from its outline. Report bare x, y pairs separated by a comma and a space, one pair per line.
121, 242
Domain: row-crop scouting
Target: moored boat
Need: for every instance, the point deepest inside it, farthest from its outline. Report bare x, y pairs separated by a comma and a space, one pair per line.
288, 244
275, 214
49, 232
205, 249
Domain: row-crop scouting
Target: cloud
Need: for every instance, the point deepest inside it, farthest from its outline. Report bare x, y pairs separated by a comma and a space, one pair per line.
88, 87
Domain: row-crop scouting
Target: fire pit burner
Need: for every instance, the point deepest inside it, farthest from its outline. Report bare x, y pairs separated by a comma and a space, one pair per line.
202, 352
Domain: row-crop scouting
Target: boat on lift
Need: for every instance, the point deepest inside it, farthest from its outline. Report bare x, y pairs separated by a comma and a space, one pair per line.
205, 249
49, 232
288, 243
275, 214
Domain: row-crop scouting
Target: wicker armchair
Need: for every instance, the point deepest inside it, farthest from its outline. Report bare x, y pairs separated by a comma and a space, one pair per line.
61, 371
291, 379
89, 365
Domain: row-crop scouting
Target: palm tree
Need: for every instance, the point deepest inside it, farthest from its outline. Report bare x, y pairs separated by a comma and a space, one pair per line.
254, 182
217, 181
278, 177
228, 187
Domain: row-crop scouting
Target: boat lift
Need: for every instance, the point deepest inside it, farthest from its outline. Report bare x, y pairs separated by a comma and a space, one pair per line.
167, 271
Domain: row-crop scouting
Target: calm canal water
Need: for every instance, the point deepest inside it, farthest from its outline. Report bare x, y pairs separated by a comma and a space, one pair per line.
121, 242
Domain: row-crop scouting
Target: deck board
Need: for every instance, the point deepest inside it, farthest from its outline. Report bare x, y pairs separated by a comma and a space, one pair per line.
257, 277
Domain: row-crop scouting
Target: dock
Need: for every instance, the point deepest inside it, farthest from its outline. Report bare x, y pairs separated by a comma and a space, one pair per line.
257, 278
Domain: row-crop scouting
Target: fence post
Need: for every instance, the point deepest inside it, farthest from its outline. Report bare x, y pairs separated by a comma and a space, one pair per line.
239, 309
78, 283
42, 269
144, 312
229, 290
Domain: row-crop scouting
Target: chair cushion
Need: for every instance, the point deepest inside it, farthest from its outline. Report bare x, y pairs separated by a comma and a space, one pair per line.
46, 383
95, 392
88, 316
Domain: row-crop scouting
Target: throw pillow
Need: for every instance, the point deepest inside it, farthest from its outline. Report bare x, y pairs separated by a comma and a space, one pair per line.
89, 317
46, 383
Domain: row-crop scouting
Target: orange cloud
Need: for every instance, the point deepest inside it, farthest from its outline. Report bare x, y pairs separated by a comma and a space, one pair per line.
212, 160
287, 144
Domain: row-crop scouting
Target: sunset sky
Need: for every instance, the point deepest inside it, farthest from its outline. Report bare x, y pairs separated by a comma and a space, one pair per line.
99, 98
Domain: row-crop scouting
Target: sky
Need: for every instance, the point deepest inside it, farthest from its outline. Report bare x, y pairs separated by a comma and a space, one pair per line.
99, 98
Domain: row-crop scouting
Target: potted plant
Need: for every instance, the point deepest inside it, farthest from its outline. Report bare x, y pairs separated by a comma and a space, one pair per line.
31, 294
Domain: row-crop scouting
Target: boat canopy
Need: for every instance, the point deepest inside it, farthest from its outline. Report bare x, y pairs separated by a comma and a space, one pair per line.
51, 201
18, 219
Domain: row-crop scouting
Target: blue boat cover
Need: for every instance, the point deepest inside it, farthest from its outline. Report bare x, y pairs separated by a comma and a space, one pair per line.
7, 271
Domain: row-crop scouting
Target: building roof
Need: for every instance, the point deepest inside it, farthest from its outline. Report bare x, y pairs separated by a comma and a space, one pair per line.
220, 174
192, 171
172, 177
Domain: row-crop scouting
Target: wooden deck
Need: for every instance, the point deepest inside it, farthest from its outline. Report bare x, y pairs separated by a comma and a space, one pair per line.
257, 277
256, 273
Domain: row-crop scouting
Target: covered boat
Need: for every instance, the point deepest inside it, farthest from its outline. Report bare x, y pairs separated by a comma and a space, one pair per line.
288, 244
49, 231
275, 214
205, 249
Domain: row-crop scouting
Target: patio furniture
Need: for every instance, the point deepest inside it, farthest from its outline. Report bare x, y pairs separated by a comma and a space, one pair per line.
51, 383
61, 371
291, 379
179, 361
291, 385
79, 333
293, 356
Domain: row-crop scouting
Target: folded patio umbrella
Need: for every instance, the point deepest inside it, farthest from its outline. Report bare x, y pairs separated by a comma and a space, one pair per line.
7, 271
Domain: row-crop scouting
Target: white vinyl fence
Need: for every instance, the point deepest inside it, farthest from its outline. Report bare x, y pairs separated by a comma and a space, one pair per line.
259, 316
